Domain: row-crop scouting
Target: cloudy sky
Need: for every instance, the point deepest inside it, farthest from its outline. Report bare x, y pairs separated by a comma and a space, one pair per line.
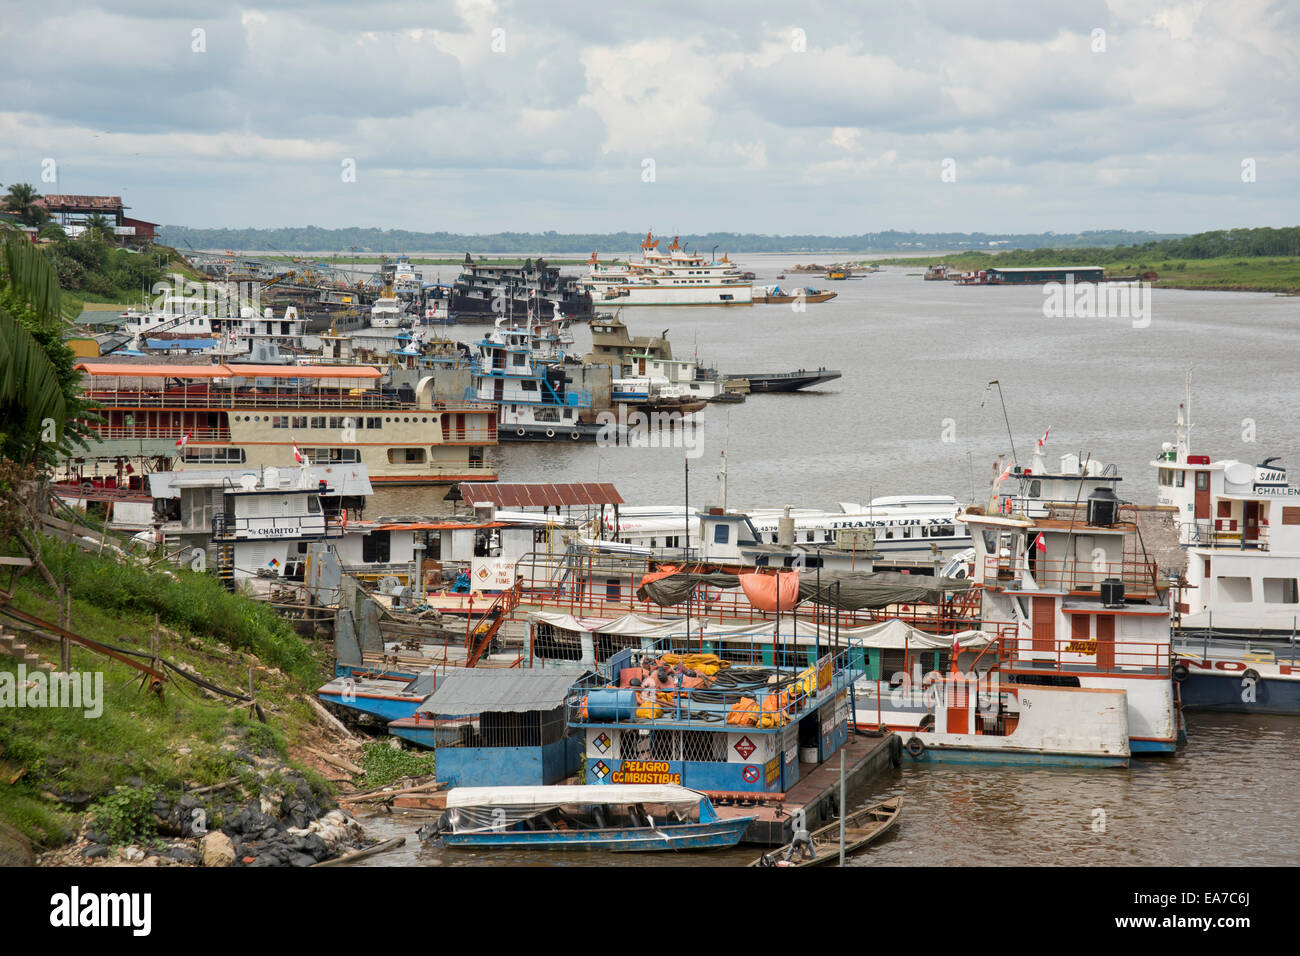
682, 115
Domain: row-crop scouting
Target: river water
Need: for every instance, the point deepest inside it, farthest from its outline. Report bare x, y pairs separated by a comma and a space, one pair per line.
1227, 799
913, 415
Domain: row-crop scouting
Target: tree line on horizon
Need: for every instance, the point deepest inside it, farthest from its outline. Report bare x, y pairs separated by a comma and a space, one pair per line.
369, 241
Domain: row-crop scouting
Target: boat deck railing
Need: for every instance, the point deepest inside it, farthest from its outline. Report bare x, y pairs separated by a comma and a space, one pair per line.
588, 583
1140, 578
1224, 533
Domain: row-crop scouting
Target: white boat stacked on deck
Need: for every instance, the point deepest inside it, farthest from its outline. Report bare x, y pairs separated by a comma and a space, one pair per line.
1080, 603
1238, 610
674, 277
903, 526
387, 313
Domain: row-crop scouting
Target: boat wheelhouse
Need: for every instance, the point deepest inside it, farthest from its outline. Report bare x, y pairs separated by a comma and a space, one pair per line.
255, 415
532, 398
1078, 600
673, 277
255, 523
1240, 526
387, 313
487, 291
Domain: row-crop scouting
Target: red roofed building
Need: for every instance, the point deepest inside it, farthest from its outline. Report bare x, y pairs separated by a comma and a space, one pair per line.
69, 210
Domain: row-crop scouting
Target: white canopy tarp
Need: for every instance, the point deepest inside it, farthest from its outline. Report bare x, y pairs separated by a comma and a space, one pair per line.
891, 634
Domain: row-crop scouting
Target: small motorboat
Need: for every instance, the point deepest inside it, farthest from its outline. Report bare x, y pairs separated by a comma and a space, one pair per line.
619, 817
861, 828
775, 295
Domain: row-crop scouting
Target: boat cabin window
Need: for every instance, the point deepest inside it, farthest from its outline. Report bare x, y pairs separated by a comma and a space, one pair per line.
722, 534
376, 547
1202, 481
1166, 478
1035, 489
1280, 591
1180, 479
313, 505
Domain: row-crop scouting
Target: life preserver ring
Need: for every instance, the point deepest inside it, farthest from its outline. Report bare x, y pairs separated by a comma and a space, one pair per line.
550, 433
521, 432
915, 747
1179, 672
1251, 675
575, 434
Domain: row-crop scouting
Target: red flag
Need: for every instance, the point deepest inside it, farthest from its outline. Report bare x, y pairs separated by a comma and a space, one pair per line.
1039, 543
1006, 473
184, 439
1043, 440
297, 455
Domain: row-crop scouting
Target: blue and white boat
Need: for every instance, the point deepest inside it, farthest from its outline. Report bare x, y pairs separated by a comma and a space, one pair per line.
386, 696
617, 817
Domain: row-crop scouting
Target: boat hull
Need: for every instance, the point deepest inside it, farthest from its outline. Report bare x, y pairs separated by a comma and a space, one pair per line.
786, 381
694, 836
1228, 694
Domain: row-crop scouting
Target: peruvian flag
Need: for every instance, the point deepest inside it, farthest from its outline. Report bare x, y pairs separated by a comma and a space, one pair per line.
1039, 543
1006, 473
297, 455
1042, 440
184, 439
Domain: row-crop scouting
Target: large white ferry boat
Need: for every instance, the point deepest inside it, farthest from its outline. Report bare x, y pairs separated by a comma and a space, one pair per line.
674, 277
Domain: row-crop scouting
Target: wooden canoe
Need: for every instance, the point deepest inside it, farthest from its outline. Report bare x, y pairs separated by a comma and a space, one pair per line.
862, 827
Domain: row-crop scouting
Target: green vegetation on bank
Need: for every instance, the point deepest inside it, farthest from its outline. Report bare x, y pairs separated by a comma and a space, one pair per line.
1237, 260
141, 743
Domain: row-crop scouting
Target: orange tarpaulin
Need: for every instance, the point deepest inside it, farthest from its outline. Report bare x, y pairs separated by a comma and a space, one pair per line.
665, 571
761, 590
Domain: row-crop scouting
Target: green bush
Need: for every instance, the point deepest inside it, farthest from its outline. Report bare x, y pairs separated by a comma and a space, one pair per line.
126, 814
384, 763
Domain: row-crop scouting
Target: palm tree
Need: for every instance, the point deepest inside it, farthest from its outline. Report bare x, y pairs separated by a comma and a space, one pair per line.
21, 201
99, 225
29, 294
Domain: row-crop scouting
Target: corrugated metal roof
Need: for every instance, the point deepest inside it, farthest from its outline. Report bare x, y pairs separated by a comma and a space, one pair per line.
473, 691
539, 495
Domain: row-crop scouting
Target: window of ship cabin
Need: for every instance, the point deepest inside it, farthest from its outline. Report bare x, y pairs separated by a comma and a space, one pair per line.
318, 421
1180, 479
299, 421
376, 547
722, 534
280, 421
336, 421
476, 457
1235, 589
529, 385
1202, 481
374, 422
313, 506
1281, 591
1035, 489
399, 456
